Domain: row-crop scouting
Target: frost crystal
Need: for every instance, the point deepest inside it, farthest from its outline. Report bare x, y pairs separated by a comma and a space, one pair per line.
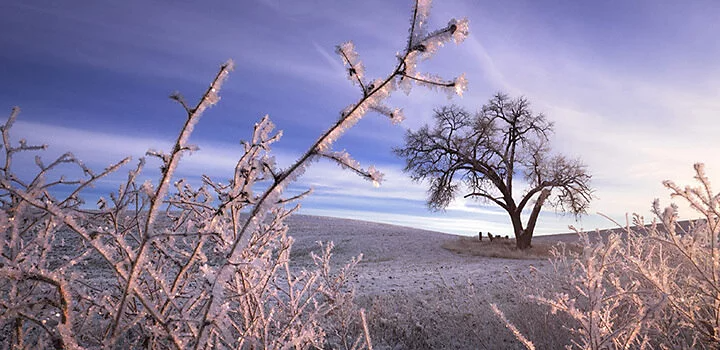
427, 45
375, 175
147, 188
461, 85
355, 68
462, 29
344, 159
421, 12
396, 115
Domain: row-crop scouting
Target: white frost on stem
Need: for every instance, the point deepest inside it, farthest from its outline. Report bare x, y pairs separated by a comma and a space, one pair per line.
396, 115
456, 31
421, 13
355, 68
347, 162
375, 175
460, 85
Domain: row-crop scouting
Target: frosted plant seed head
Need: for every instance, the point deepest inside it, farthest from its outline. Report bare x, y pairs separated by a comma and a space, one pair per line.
350, 58
460, 29
375, 175
460, 85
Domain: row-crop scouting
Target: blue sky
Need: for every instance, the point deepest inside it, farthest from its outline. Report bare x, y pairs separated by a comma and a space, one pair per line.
633, 87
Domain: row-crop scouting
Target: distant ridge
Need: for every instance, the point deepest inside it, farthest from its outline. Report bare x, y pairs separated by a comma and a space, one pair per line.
680, 227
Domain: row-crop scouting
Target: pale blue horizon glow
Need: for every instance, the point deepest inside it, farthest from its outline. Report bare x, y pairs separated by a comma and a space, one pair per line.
633, 89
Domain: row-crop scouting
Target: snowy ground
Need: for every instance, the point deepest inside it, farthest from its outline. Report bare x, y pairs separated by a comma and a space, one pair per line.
397, 258
421, 295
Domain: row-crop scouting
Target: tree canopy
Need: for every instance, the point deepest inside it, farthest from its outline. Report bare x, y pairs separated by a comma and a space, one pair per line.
486, 154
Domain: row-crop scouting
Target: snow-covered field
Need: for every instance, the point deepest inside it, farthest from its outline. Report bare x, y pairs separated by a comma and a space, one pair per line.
397, 258
420, 295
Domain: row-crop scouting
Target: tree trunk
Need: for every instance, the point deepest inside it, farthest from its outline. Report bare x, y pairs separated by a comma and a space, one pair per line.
524, 241
517, 227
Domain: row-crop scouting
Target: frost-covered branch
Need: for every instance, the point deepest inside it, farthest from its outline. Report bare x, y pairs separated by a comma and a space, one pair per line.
171, 265
210, 98
356, 69
373, 96
346, 162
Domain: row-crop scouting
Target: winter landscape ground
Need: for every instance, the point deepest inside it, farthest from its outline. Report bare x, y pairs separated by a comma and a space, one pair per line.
419, 294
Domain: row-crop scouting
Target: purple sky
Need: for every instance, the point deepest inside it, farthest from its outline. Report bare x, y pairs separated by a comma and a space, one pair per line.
633, 87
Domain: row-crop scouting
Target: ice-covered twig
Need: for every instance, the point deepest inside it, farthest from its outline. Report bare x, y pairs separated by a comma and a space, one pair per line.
374, 94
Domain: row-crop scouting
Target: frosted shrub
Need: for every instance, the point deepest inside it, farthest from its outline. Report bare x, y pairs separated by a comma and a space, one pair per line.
605, 305
170, 265
682, 265
645, 286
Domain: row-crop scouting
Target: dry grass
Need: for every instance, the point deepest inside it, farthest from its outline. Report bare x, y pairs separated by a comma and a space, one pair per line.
504, 248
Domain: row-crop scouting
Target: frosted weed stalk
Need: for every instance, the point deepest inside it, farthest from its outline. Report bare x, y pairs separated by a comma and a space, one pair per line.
168, 265
647, 286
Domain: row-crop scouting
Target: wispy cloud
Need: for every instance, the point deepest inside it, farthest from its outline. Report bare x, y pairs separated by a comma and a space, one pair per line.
633, 88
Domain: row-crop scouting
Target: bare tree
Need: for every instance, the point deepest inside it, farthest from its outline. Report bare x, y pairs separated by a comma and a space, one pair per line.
483, 154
